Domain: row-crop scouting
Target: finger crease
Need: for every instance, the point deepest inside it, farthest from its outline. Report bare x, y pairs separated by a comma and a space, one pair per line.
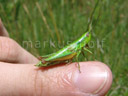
38, 84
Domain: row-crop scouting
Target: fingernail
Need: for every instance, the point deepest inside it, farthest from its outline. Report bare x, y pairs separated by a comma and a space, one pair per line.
91, 79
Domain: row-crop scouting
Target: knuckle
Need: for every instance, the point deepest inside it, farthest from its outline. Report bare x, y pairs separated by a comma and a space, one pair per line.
45, 83
42, 84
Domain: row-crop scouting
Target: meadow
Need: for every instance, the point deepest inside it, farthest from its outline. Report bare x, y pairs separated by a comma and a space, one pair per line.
44, 26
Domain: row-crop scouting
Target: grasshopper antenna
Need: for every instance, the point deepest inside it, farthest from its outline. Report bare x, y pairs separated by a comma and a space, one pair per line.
89, 28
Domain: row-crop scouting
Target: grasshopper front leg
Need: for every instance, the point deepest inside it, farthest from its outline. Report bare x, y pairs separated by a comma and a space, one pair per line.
87, 50
77, 56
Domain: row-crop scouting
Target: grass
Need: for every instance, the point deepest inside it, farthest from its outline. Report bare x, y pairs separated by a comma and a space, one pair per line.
48, 25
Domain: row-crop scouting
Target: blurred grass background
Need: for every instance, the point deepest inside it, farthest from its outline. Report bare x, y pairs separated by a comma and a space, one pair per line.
43, 23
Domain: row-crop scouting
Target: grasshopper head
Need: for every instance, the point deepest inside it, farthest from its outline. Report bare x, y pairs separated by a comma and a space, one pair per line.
84, 39
87, 37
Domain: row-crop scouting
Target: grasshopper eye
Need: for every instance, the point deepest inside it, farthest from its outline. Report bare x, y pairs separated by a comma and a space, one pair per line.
87, 34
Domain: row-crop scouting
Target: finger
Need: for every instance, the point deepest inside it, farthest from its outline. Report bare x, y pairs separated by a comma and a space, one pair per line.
10, 51
3, 31
26, 80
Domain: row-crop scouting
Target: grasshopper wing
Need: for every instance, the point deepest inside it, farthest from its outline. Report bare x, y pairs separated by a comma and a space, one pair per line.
61, 57
45, 56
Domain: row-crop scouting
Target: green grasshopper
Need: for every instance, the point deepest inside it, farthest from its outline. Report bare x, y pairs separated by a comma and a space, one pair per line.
66, 54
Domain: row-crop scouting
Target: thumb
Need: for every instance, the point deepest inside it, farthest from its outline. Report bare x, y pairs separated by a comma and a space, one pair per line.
94, 80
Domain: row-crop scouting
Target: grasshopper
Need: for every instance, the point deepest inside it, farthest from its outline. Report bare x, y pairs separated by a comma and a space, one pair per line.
73, 50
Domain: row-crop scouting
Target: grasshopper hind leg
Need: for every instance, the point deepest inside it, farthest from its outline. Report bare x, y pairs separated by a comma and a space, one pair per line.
40, 58
69, 61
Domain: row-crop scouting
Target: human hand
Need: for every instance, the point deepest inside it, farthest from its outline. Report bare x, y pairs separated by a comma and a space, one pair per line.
19, 76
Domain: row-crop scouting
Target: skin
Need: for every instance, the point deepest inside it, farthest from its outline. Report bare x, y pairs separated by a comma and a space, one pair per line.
19, 76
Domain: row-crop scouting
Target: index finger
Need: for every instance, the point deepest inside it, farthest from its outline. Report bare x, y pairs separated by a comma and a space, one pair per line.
3, 31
